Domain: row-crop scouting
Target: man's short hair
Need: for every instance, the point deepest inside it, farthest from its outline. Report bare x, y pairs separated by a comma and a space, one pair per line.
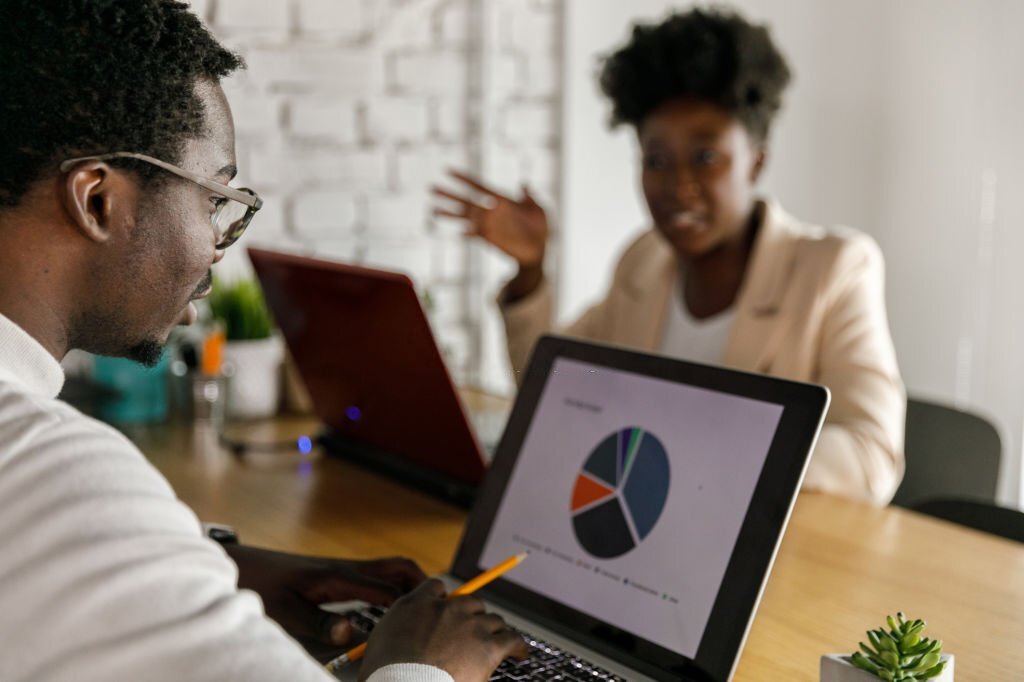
80, 77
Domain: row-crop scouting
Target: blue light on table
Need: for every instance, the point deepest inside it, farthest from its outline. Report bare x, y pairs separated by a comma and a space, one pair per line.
304, 444
353, 413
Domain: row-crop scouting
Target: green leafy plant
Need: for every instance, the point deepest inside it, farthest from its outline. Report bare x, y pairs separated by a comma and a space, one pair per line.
241, 309
901, 652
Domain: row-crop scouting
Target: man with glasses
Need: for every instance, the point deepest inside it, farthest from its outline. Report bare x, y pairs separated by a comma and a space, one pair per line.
116, 150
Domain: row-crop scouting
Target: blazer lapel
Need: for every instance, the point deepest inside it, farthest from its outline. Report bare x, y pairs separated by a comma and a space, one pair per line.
753, 341
646, 294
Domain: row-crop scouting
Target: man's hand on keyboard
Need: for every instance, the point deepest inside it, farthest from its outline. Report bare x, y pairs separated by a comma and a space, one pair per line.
292, 588
456, 635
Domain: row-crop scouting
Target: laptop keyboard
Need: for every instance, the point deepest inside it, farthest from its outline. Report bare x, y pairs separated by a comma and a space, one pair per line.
545, 662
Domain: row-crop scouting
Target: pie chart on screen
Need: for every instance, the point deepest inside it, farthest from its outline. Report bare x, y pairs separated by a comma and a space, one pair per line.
620, 492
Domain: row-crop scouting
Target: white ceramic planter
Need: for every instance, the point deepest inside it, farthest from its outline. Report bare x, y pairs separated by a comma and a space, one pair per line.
837, 668
255, 377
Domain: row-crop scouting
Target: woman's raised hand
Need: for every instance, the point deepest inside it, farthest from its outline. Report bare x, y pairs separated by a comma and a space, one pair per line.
519, 227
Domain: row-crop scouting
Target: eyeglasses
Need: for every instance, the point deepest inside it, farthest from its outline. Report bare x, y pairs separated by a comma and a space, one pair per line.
229, 218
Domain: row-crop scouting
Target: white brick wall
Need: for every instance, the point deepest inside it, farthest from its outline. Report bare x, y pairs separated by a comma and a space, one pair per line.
450, 255
507, 75
446, 306
256, 115
414, 259
402, 217
426, 165
541, 170
320, 68
261, 18
201, 8
344, 250
273, 226
328, 215
333, 120
528, 30
429, 73
296, 169
397, 119
332, 19
449, 120
542, 75
364, 169
453, 24
351, 109
404, 23
531, 122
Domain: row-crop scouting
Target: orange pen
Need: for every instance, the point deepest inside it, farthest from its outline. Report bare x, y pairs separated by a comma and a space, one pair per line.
213, 353
469, 587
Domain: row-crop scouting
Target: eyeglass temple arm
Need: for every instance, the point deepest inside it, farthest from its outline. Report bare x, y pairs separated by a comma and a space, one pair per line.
230, 192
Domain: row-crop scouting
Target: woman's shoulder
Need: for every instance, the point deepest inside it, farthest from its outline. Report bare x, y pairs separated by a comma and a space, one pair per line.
836, 246
645, 249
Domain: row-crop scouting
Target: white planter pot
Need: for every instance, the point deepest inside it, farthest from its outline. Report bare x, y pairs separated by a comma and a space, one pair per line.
837, 668
255, 377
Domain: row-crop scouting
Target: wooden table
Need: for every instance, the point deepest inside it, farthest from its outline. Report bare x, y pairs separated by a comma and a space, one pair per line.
841, 567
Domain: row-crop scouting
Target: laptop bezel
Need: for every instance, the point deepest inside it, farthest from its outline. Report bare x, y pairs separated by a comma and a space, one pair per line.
759, 537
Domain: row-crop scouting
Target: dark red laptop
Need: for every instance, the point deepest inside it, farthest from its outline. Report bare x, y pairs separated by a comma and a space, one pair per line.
377, 380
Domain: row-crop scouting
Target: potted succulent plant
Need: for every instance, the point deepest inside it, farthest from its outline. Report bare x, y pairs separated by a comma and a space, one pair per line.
900, 653
253, 352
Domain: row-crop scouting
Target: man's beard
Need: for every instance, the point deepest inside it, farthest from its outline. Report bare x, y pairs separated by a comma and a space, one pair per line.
104, 334
147, 353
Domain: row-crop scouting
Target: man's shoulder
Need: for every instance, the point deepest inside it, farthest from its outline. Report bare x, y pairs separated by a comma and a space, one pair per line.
28, 416
43, 437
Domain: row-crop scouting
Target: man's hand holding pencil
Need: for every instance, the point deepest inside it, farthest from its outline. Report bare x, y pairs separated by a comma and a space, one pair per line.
452, 632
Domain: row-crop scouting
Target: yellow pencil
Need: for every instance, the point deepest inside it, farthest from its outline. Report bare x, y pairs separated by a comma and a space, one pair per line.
469, 587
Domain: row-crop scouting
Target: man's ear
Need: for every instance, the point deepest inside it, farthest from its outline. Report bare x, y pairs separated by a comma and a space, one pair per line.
97, 198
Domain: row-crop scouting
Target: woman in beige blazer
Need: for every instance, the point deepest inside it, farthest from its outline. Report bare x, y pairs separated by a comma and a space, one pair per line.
723, 276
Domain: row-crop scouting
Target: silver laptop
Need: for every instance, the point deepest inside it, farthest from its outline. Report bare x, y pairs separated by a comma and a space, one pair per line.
652, 495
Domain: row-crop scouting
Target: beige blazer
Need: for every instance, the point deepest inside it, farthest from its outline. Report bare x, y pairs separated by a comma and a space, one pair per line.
811, 308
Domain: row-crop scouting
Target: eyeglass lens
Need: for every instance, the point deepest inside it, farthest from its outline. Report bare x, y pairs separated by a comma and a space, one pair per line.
231, 219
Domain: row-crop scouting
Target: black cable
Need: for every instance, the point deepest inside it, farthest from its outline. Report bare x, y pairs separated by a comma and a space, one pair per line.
301, 445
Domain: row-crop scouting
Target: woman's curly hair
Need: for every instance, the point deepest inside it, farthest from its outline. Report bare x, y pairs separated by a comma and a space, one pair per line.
713, 55
81, 77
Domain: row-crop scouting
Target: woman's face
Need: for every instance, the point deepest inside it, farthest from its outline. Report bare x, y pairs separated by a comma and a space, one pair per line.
699, 170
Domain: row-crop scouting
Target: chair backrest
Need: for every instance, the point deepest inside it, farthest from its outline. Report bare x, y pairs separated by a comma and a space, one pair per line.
950, 453
990, 518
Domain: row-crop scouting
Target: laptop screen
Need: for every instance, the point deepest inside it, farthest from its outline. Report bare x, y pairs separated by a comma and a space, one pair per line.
652, 495
629, 492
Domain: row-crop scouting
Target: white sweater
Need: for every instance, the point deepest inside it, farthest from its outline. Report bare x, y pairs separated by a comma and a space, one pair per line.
104, 574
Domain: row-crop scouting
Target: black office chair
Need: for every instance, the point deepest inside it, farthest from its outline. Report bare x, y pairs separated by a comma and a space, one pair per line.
950, 454
990, 518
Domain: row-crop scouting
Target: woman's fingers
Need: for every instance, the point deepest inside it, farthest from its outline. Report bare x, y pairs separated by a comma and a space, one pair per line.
457, 198
448, 213
476, 184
